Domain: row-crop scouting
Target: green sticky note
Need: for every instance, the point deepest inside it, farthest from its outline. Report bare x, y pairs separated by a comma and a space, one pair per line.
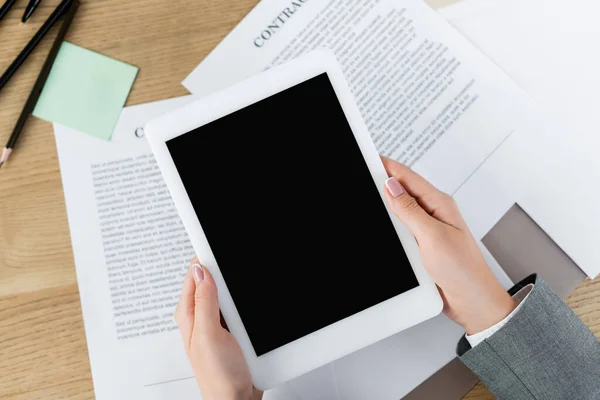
85, 91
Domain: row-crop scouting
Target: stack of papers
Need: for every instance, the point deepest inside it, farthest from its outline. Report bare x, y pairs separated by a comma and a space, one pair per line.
474, 132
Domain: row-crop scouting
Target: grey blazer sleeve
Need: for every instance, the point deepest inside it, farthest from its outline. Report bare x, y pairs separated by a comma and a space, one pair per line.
543, 352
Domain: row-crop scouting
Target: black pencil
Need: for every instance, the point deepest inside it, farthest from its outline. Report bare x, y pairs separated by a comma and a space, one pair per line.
31, 6
37, 38
5, 7
40, 82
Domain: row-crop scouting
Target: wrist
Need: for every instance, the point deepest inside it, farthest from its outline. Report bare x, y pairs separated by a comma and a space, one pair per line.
481, 311
488, 313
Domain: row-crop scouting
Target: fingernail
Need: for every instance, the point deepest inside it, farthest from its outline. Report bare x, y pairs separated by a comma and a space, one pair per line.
198, 273
394, 187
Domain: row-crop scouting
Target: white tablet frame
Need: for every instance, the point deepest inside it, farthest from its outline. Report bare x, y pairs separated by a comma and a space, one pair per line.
342, 337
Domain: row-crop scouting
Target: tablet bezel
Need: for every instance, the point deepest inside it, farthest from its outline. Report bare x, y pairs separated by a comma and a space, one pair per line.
342, 337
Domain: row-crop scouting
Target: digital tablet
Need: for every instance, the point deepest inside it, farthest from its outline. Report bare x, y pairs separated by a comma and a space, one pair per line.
281, 191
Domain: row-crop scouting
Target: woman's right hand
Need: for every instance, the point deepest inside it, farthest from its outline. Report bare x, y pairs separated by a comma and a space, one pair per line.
472, 296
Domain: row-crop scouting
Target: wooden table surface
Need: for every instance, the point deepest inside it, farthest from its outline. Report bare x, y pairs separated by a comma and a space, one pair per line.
43, 351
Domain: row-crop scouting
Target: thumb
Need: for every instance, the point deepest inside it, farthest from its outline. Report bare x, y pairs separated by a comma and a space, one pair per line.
206, 304
407, 209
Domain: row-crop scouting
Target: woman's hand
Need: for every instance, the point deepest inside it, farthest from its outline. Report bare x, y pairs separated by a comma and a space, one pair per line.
214, 354
472, 296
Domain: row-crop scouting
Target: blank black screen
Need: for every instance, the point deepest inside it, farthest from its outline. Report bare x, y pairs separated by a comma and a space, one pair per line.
291, 213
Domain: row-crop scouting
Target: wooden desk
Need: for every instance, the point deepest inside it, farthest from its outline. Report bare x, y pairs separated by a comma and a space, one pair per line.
43, 351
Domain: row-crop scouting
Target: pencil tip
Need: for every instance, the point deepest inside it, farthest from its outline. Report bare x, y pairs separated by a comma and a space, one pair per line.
5, 153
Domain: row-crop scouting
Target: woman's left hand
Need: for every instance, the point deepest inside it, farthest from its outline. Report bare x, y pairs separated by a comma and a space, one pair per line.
215, 355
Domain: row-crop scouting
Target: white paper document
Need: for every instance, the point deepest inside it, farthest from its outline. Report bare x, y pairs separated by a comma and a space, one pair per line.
429, 98
550, 48
131, 254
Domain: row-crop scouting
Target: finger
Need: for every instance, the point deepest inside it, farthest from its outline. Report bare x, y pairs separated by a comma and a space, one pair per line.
207, 314
414, 183
184, 314
407, 209
433, 201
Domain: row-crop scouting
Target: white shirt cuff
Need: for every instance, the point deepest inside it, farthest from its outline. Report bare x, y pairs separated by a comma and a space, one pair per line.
520, 298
